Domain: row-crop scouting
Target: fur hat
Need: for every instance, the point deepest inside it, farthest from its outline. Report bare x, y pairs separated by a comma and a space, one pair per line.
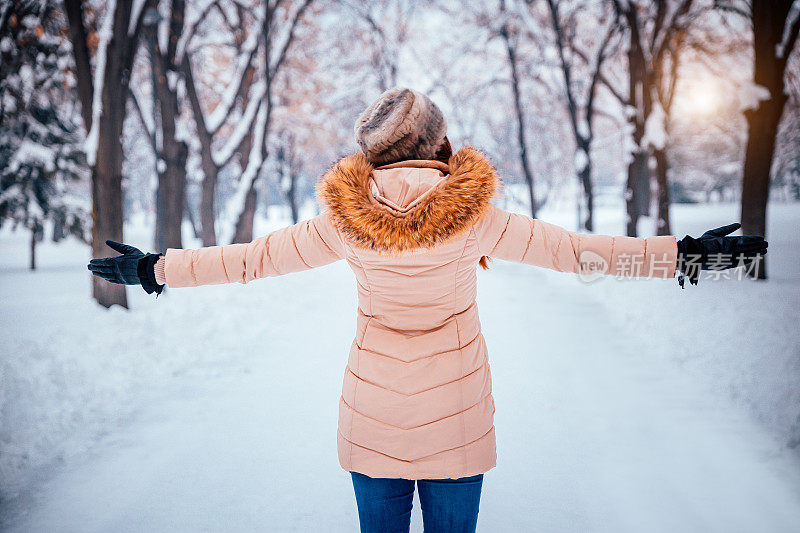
401, 124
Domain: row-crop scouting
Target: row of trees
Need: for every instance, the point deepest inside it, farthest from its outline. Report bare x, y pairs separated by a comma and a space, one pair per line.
633, 52
211, 103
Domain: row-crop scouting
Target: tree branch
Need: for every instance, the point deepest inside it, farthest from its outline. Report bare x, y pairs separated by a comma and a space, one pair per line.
273, 71
572, 107
674, 26
601, 77
80, 53
233, 91
243, 129
150, 131
791, 39
601, 57
132, 43
731, 9
188, 35
194, 100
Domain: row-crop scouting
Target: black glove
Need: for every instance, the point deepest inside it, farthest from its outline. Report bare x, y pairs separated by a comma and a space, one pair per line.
714, 251
132, 268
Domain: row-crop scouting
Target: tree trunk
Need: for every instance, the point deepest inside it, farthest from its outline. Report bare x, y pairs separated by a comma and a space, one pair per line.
107, 198
59, 226
663, 226
762, 122
80, 50
244, 224
172, 180
292, 197
287, 170
585, 177
637, 192
171, 198
207, 196
33, 249
210, 169
107, 172
107, 168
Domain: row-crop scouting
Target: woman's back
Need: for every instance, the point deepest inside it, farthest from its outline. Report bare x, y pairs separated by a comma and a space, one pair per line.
416, 398
417, 289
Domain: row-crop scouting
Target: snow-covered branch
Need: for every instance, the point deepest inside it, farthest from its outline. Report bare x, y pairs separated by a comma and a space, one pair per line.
228, 99
104, 36
243, 126
252, 170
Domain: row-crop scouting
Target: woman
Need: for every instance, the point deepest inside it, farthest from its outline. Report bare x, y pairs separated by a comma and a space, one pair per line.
413, 221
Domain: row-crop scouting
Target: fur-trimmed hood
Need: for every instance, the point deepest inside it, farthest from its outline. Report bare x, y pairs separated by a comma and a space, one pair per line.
458, 200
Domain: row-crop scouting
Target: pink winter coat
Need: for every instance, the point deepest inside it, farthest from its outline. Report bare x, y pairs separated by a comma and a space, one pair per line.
417, 394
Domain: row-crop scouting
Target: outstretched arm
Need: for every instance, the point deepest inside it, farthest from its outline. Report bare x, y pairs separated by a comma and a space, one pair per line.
307, 244
522, 239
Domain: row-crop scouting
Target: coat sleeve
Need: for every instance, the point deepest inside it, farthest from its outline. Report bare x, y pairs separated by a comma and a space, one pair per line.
522, 239
307, 244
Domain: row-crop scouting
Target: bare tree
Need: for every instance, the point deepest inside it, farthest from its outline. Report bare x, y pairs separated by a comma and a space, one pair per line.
649, 39
581, 107
239, 102
510, 35
774, 38
169, 149
103, 95
666, 65
278, 33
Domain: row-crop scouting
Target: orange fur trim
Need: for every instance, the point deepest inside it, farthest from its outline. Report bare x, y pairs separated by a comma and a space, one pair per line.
452, 207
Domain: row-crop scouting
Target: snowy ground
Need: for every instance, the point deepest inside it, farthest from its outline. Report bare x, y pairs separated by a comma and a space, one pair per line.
621, 406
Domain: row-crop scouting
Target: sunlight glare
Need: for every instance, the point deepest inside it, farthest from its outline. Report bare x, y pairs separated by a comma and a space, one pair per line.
701, 99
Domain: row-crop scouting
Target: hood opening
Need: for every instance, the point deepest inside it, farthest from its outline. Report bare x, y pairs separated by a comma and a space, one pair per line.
432, 201
401, 188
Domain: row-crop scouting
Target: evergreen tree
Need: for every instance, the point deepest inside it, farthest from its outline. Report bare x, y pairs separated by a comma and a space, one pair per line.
40, 155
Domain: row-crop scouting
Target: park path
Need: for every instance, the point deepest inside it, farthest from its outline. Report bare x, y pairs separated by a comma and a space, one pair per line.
592, 434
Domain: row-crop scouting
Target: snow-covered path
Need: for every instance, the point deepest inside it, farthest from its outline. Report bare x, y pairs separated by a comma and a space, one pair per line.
216, 407
593, 434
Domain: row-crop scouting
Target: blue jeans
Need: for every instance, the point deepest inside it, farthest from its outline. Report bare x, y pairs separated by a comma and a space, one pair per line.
448, 505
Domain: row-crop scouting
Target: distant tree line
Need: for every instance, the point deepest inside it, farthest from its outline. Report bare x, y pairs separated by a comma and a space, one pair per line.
205, 110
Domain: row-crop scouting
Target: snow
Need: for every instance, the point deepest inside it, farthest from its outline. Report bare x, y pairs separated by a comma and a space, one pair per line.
163, 27
583, 128
31, 152
27, 77
750, 95
136, 10
655, 132
194, 15
581, 160
215, 408
105, 34
172, 79
11, 192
